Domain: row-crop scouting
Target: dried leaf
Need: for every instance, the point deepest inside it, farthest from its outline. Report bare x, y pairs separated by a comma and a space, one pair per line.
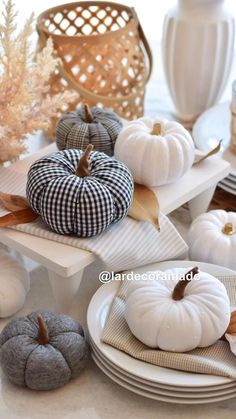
232, 324
215, 150
13, 202
232, 342
23, 216
145, 205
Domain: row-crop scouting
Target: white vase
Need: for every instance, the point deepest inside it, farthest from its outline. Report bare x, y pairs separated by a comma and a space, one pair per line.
198, 41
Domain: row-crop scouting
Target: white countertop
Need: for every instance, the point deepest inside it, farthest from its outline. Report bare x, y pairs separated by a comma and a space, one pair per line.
92, 395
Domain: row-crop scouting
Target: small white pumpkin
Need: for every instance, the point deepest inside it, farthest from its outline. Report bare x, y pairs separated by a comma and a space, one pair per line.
176, 314
14, 285
156, 153
212, 238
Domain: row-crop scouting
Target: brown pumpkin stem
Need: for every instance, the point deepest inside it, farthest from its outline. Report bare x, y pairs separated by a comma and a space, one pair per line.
83, 166
178, 292
88, 113
43, 336
228, 229
156, 129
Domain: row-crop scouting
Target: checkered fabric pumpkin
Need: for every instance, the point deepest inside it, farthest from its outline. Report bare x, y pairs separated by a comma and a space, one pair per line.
84, 206
84, 126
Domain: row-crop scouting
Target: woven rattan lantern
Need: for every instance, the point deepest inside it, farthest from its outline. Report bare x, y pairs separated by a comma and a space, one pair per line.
104, 54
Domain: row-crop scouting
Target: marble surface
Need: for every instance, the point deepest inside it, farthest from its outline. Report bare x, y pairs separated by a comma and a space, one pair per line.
92, 395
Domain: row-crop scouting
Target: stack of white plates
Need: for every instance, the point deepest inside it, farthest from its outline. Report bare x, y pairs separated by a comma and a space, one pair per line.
146, 379
229, 183
210, 127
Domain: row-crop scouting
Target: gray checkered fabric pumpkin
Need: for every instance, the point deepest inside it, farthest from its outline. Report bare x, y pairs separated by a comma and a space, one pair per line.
78, 129
84, 206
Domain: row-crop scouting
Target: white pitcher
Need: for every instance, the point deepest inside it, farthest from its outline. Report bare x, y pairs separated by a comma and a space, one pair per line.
198, 41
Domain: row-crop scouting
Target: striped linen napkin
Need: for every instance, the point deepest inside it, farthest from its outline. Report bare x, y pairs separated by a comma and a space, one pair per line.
124, 245
216, 359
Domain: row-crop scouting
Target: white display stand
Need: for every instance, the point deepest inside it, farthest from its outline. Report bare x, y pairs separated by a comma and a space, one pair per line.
65, 264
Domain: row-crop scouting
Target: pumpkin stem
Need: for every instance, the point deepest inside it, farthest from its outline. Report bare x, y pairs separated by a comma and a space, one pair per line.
228, 229
156, 129
88, 113
178, 292
83, 166
43, 336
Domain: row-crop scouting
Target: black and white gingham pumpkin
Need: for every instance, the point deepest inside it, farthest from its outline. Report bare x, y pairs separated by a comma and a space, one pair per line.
84, 126
84, 206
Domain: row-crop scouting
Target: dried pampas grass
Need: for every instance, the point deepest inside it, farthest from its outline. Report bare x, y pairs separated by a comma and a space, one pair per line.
25, 103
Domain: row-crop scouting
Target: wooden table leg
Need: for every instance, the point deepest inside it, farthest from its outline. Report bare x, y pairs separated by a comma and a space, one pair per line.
201, 202
64, 289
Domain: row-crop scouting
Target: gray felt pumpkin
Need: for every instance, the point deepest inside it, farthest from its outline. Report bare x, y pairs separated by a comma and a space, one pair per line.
42, 351
78, 193
84, 126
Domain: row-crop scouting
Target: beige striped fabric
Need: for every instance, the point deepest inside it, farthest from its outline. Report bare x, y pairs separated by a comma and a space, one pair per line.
124, 245
12, 182
216, 359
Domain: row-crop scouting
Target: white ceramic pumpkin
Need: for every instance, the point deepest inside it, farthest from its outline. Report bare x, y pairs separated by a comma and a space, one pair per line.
177, 315
14, 285
156, 153
212, 238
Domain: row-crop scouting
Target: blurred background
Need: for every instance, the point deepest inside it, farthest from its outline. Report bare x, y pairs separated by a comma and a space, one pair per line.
151, 13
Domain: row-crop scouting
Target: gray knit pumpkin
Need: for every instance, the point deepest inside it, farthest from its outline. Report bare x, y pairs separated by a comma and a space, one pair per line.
42, 351
84, 126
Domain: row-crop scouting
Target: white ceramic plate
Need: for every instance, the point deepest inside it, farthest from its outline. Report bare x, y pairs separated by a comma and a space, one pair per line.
210, 127
229, 182
231, 158
96, 316
180, 390
154, 388
156, 396
227, 188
